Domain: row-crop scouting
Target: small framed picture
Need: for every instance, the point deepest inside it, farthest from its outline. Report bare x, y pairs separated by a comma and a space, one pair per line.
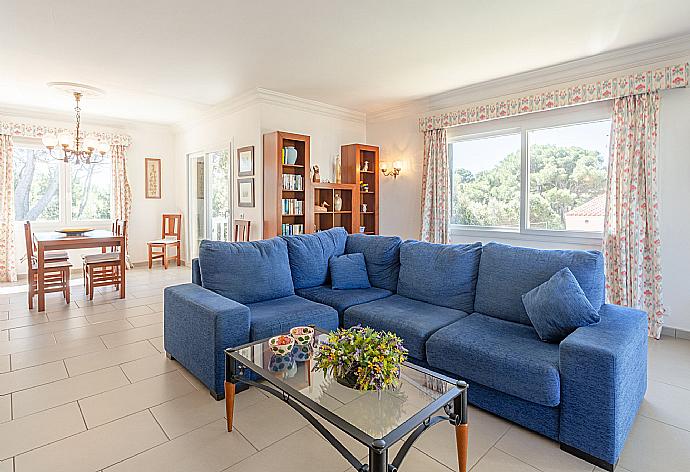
245, 161
245, 192
153, 177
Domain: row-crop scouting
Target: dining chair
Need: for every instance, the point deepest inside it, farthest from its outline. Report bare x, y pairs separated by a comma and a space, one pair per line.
49, 256
170, 237
101, 270
241, 230
55, 275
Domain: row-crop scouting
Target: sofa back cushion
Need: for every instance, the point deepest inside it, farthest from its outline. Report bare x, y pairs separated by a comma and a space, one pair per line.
309, 255
247, 272
382, 256
508, 272
441, 274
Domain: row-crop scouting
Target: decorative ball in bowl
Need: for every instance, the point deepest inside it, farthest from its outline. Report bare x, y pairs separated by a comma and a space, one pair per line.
281, 345
302, 334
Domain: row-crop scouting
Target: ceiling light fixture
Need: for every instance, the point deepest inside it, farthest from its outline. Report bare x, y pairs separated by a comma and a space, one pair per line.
76, 148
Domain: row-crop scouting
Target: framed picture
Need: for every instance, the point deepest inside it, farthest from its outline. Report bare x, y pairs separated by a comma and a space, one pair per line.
153, 177
245, 192
245, 161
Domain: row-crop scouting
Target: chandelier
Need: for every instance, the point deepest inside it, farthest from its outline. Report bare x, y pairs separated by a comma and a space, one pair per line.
76, 148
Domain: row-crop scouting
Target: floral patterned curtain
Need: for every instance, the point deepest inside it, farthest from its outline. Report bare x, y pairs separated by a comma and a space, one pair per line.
435, 188
631, 234
122, 192
8, 271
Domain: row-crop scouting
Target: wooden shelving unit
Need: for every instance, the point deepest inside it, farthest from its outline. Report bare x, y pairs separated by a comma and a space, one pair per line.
347, 217
275, 215
353, 157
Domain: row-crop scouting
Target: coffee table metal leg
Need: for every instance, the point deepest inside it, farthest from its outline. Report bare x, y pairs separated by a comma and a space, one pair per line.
378, 457
461, 428
229, 402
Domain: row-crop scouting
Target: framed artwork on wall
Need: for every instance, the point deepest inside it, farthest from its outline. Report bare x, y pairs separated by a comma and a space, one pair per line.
153, 177
245, 192
245, 161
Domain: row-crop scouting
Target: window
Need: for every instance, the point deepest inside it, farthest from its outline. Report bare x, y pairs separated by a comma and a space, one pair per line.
547, 174
47, 189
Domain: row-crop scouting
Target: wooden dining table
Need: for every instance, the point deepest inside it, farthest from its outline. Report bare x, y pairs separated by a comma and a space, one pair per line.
53, 241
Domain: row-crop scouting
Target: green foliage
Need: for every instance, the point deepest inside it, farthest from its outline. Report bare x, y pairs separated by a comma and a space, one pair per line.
561, 178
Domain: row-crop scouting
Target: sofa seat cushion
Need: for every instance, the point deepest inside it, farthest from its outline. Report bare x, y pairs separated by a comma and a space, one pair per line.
382, 257
341, 300
412, 320
500, 354
442, 274
274, 317
508, 272
309, 255
247, 272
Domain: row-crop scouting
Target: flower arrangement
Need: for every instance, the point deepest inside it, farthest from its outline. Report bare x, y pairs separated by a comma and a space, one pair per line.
362, 358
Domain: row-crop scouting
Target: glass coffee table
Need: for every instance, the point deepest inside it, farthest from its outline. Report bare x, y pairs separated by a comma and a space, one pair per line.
377, 420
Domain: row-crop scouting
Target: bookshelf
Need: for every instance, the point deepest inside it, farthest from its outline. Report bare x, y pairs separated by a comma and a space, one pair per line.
353, 157
288, 195
347, 217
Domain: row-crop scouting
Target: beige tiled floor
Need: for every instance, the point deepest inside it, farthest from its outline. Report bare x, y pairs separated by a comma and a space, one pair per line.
86, 388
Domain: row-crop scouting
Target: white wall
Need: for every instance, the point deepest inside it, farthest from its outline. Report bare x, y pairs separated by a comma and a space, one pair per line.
148, 140
399, 138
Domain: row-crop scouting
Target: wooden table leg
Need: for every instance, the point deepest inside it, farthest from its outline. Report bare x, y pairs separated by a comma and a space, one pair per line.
461, 444
41, 285
229, 402
123, 264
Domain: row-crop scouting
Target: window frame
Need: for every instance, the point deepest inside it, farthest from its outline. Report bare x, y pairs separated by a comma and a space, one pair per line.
64, 196
579, 114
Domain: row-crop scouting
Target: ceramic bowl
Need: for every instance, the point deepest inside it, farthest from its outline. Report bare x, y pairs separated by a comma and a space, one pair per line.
302, 353
302, 334
281, 345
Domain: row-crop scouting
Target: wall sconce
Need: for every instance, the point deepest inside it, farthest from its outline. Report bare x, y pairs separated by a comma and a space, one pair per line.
395, 171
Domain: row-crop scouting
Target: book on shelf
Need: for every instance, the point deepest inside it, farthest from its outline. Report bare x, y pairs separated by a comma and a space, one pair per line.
292, 206
293, 182
292, 229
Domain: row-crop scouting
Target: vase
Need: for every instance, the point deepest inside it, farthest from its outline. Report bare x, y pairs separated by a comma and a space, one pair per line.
338, 170
337, 202
290, 155
349, 380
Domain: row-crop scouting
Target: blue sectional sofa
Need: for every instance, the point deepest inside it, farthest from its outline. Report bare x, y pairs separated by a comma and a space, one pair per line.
458, 309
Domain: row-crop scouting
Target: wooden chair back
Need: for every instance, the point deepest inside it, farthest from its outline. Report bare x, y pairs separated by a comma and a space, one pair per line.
29, 237
119, 228
172, 226
241, 230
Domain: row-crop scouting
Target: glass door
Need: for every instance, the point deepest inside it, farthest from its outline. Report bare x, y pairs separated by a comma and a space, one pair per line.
210, 195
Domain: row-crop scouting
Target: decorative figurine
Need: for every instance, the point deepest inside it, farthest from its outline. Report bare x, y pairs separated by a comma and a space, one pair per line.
317, 176
338, 169
365, 167
364, 207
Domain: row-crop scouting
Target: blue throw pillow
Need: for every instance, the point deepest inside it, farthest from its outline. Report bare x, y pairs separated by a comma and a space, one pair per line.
349, 271
558, 307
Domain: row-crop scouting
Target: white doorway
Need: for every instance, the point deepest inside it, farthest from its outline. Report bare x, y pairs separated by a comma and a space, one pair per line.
210, 197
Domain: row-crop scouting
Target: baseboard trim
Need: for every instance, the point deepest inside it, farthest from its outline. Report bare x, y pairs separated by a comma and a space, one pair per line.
588, 457
675, 333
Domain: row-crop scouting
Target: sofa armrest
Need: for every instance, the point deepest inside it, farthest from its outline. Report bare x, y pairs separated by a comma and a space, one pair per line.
199, 325
603, 371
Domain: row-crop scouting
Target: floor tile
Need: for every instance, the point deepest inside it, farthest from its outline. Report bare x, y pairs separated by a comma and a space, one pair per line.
157, 307
145, 320
5, 408
97, 448
92, 330
114, 404
26, 344
50, 327
99, 360
33, 431
133, 335
158, 343
119, 314
56, 352
32, 376
130, 302
23, 321
540, 452
208, 449
485, 430
196, 409
298, 452
499, 461
7, 466
68, 390
653, 446
676, 372
4, 363
267, 421
148, 367
667, 403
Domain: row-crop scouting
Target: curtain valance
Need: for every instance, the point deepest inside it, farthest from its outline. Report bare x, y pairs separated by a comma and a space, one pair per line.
668, 77
26, 130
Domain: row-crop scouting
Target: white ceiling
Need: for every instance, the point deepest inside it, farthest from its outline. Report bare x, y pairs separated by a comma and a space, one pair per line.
167, 60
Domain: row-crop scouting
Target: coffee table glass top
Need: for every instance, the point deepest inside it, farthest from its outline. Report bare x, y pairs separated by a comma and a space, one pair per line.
390, 414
